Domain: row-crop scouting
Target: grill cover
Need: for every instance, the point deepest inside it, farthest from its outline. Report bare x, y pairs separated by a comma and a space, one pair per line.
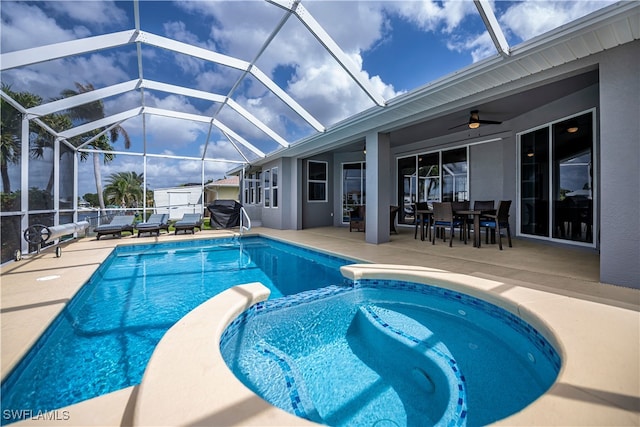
225, 213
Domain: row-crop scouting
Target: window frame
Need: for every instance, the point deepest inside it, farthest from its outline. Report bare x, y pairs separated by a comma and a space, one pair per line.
324, 181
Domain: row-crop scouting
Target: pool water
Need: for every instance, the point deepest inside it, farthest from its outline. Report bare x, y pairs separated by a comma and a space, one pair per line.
103, 339
390, 353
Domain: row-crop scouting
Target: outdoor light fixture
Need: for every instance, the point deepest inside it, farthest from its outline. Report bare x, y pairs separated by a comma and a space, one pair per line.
474, 120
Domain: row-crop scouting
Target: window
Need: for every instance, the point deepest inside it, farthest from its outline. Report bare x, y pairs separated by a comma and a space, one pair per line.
431, 177
270, 188
317, 180
267, 188
455, 186
252, 189
353, 187
274, 187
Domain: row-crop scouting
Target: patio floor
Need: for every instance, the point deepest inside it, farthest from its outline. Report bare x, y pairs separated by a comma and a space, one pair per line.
35, 289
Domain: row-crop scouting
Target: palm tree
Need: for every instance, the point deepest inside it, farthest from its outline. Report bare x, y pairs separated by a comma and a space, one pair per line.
125, 189
40, 140
91, 112
11, 141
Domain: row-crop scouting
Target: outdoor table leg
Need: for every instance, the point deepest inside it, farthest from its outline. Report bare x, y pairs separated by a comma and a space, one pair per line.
476, 231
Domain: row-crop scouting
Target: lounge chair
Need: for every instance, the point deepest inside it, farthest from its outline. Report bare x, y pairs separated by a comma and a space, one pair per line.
118, 224
189, 222
154, 224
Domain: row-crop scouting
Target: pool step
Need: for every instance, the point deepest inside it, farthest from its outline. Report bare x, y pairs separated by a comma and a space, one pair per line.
420, 368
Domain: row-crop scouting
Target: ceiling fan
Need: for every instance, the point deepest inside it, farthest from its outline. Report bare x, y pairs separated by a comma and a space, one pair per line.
475, 121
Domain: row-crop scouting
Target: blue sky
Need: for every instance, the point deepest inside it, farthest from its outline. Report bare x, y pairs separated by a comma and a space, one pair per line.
396, 46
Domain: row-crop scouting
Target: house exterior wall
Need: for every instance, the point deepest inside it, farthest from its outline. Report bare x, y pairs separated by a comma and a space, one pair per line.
619, 171
272, 217
493, 169
316, 213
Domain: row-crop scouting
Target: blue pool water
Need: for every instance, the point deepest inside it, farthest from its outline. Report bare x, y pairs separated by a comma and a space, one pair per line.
390, 353
103, 339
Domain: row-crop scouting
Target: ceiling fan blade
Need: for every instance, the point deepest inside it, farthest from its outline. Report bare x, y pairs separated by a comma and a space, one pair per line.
459, 126
489, 122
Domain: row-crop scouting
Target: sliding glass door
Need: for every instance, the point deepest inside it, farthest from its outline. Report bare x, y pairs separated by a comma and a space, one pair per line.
431, 177
556, 180
353, 187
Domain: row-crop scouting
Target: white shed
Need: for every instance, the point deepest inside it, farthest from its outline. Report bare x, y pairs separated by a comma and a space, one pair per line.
176, 201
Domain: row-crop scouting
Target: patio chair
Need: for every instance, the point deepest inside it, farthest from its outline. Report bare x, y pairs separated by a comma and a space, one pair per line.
463, 205
486, 207
443, 218
393, 212
420, 206
189, 222
357, 218
118, 224
499, 221
154, 224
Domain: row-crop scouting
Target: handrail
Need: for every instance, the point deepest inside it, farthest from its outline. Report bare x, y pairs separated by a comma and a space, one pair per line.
244, 214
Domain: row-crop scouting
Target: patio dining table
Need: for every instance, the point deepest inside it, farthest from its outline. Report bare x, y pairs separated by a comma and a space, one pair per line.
476, 224
427, 214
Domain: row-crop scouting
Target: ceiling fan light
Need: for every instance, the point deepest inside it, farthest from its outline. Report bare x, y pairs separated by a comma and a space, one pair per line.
572, 129
474, 120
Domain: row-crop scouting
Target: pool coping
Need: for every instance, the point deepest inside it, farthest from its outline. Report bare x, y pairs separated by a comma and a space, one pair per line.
598, 323
188, 383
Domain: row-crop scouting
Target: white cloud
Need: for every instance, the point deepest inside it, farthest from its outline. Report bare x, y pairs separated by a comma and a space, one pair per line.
25, 26
433, 15
532, 18
481, 47
93, 13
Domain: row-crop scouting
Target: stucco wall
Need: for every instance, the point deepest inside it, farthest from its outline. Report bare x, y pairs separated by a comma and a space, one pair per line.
272, 217
620, 173
317, 214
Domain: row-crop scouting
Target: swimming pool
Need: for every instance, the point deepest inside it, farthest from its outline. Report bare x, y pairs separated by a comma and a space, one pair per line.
102, 340
390, 352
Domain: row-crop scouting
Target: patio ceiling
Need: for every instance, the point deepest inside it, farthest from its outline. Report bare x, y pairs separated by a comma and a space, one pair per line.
230, 115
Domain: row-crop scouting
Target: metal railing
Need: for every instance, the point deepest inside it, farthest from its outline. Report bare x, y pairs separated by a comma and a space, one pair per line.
243, 215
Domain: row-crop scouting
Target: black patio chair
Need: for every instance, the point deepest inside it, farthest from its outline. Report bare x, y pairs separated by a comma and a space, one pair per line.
499, 221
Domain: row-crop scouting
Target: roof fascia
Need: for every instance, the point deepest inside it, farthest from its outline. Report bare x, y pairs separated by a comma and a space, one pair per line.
628, 10
35, 55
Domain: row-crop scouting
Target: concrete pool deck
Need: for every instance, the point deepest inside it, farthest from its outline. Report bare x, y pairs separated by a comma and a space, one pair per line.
598, 324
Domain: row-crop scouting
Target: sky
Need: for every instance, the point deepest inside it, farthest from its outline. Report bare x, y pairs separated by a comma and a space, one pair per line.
395, 46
